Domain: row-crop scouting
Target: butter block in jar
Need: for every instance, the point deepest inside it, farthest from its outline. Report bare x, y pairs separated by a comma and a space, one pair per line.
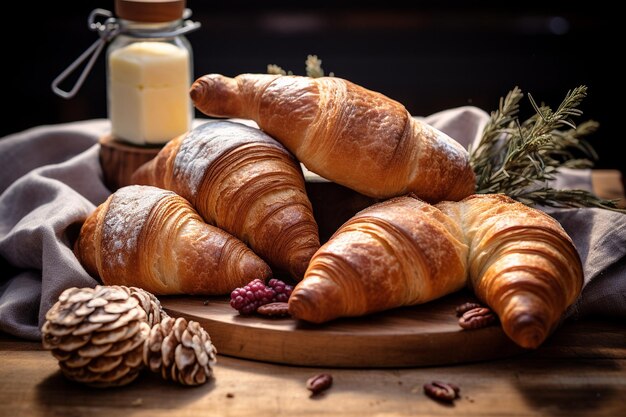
149, 72
149, 92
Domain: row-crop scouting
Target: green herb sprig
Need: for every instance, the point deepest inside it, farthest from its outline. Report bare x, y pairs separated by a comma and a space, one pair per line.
520, 158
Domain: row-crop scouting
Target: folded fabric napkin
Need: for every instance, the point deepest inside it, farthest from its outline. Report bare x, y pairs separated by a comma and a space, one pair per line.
51, 181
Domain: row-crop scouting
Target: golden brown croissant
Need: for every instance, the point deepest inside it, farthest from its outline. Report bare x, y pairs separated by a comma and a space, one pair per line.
348, 134
518, 260
246, 183
521, 263
153, 239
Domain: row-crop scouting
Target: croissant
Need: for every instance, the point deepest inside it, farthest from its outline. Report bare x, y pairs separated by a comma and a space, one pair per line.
348, 134
153, 239
245, 182
517, 260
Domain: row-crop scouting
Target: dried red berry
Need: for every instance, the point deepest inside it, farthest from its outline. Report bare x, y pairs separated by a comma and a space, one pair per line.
282, 291
249, 298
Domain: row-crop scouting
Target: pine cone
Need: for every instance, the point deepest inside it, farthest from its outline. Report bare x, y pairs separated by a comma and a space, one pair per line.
181, 351
150, 304
97, 335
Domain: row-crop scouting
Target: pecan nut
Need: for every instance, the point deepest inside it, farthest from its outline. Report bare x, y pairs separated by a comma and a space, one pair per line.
274, 309
319, 383
442, 391
477, 318
460, 310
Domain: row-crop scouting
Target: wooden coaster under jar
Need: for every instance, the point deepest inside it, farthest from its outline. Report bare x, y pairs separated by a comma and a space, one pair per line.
120, 159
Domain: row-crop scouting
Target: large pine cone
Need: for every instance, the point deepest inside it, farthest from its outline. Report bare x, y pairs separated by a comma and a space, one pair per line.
97, 335
181, 351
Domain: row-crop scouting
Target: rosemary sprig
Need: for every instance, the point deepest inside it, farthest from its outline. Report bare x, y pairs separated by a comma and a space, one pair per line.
565, 198
520, 158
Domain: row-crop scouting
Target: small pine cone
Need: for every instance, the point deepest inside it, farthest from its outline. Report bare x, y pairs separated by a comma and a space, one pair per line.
150, 304
181, 351
97, 335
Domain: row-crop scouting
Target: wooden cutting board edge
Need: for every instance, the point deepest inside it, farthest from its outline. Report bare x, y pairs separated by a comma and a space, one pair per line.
425, 335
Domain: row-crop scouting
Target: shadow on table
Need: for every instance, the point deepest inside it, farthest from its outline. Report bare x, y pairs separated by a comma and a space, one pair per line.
572, 387
146, 392
580, 357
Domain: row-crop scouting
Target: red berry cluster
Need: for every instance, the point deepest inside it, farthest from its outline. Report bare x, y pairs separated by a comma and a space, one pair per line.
252, 296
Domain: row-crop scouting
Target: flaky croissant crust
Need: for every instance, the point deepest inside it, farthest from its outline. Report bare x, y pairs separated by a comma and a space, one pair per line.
246, 183
518, 260
153, 239
346, 133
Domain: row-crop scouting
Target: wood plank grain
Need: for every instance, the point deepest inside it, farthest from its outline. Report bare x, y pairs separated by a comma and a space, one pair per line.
530, 384
609, 184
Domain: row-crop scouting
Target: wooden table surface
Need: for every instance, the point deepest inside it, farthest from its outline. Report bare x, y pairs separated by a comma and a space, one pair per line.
579, 371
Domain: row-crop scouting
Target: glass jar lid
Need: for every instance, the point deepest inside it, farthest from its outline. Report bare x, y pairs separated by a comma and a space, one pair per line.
150, 10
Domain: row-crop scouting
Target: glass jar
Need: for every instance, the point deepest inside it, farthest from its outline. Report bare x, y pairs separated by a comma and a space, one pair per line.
149, 72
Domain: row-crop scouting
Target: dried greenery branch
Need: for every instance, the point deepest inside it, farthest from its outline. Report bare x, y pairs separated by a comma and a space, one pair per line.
277, 70
521, 158
313, 68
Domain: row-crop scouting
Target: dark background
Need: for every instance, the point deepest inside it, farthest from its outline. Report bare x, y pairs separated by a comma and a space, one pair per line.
430, 56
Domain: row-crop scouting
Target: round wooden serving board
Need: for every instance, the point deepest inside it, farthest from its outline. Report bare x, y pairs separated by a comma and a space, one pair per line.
422, 335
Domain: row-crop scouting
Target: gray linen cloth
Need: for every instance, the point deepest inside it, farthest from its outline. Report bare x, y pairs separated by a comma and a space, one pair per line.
51, 180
